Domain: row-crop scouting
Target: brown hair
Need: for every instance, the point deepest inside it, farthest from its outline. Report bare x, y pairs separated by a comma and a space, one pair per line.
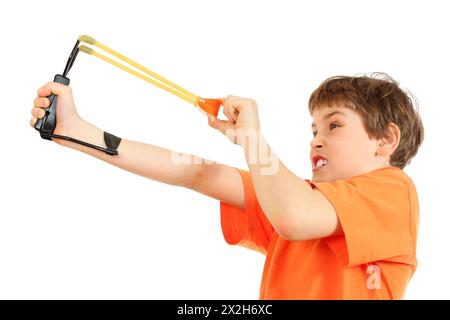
380, 101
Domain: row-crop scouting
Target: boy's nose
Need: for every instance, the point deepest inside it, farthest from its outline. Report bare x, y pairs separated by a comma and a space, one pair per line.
316, 147
316, 143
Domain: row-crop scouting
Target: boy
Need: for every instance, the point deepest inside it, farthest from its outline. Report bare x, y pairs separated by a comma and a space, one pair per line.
348, 233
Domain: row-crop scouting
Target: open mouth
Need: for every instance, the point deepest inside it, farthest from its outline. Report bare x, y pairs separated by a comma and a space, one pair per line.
319, 162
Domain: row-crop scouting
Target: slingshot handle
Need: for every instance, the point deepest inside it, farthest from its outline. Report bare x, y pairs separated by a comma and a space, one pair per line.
47, 124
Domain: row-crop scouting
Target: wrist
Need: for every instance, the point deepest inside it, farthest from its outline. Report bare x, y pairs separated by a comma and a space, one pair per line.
253, 142
84, 131
260, 157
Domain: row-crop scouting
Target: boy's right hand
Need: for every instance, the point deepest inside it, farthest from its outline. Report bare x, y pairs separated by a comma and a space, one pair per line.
66, 113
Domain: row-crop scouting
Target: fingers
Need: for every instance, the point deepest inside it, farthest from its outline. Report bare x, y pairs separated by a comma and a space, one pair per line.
226, 110
41, 102
227, 100
229, 109
230, 113
227, 128
37, 113
234, 104
33, 122
52, 87
219, 124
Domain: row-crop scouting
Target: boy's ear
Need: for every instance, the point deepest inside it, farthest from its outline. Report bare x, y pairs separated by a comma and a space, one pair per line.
387, 145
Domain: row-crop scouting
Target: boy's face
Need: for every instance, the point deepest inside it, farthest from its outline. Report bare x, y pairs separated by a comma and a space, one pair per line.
341, 147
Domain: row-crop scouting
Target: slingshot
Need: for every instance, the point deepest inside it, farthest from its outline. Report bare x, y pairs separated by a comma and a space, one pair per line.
47, 124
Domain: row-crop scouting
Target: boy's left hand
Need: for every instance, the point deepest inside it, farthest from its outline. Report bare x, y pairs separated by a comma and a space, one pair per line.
242, 114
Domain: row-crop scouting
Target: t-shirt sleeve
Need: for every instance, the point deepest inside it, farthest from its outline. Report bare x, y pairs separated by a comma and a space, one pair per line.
377, 218
250, 227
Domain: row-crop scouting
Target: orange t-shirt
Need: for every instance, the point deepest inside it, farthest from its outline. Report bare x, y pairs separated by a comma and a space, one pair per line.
374, 258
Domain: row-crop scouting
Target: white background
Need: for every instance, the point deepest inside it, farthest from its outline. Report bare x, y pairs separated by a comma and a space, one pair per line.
72, 226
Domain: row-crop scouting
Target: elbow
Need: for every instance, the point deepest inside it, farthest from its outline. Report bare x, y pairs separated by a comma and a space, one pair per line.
190, 178
196, 176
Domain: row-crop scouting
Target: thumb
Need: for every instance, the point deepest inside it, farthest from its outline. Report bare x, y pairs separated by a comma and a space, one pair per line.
218, 124
211, 120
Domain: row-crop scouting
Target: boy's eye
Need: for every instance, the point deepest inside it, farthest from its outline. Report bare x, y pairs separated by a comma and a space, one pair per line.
333, 125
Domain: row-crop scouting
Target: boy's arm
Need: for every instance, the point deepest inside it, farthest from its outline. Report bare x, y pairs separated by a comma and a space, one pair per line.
218, 181
295, 210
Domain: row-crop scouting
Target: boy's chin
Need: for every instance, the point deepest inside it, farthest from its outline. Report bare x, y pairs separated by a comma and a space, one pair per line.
317, 179
320, 178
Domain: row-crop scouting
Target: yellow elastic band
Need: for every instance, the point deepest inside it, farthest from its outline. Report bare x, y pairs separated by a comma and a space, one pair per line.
165, 85
137, 74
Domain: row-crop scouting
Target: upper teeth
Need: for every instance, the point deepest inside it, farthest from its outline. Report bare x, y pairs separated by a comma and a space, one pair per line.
321, 163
